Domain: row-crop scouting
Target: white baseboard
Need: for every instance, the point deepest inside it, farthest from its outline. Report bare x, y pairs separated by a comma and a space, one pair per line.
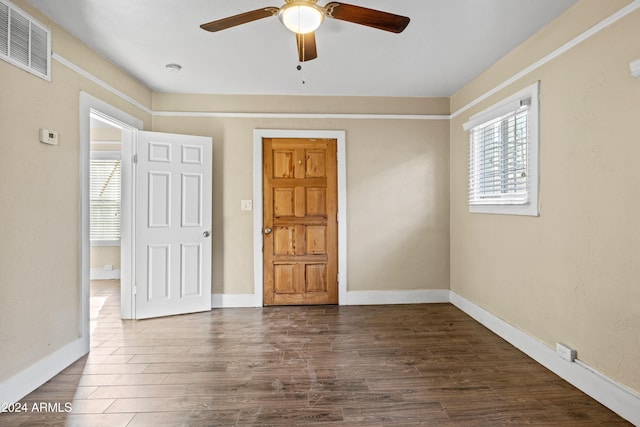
232, 300
615, 396
23, 383
101, 274
353, 298
424, 296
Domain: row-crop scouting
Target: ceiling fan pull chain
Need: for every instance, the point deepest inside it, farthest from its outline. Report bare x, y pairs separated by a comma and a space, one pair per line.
304, 56
299, 68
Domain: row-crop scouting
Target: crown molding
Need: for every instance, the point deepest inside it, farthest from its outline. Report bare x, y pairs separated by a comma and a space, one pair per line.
630, 8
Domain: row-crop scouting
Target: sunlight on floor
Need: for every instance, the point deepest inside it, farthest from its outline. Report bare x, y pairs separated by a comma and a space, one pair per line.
101, 292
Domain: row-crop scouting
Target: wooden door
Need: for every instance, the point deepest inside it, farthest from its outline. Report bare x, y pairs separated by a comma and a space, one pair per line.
300, 232
173, 224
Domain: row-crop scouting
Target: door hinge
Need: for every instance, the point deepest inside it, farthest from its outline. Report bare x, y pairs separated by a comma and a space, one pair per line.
135, 158
338, 278
135, 290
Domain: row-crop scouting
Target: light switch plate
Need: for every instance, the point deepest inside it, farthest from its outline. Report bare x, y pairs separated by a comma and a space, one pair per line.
246, 205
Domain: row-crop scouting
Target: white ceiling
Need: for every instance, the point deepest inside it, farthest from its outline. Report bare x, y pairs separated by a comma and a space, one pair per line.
447, 44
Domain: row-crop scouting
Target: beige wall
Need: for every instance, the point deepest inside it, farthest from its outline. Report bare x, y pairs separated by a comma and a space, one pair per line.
105, 255
571, 275
40, 198
397, 185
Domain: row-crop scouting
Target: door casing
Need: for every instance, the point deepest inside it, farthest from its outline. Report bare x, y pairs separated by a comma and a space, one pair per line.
258, 267
129, 124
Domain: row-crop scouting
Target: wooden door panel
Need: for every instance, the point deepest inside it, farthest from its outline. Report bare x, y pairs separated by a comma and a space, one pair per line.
300, 206
315, 239
316, 164
284, 241
316, 201
283, 164
283, 278
316, 278
283, 202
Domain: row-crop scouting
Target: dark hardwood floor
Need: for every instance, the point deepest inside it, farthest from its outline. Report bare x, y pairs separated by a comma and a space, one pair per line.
325, 365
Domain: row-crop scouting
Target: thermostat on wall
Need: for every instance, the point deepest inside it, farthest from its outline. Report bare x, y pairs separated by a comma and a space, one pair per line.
48, 136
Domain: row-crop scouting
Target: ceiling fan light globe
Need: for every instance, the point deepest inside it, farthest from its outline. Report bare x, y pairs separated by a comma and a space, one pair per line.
301, 18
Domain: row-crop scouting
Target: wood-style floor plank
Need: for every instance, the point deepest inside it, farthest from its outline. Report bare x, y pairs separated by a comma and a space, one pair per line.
304, 366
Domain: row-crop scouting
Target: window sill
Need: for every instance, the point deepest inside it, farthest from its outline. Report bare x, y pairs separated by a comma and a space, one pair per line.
105, 243
527, 209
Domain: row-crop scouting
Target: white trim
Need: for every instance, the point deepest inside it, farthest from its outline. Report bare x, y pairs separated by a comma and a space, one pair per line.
350, 116
232, 300
340, 136
615, 396
29, 379
635, 68
102, 274
99, 82
105, 142
632, 7
236, 115
425, 296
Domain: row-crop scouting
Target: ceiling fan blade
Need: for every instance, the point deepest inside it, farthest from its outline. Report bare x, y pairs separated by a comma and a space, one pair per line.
369, 17
306, 46
243, 18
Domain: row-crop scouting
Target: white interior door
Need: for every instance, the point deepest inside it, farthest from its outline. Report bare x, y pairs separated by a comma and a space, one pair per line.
173, 224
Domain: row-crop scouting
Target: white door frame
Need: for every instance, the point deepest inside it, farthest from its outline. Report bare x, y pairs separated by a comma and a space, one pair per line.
129, 125
258, 268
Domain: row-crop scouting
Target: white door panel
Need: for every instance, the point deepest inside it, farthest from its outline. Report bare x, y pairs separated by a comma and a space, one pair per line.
173, 224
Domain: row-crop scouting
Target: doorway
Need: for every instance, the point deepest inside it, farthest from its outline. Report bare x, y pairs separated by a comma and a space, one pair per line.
258, 219
166, 217
105, 212
96, 111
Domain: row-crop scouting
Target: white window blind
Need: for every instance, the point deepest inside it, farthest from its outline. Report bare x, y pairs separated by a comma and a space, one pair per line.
104, 195
24, 42
503, 156
498, 160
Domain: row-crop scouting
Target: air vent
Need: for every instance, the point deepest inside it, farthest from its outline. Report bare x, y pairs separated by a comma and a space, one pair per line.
24, 42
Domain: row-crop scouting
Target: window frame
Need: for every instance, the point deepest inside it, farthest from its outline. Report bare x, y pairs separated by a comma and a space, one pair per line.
508, 105
106, 155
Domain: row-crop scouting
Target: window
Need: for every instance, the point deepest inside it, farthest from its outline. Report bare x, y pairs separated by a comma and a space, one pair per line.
104, 198
503, 156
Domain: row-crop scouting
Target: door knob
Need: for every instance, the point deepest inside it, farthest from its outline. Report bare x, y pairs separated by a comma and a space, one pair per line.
267, 230
206, 234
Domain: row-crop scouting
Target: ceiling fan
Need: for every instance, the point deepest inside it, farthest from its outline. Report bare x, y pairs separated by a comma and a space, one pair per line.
303, 17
